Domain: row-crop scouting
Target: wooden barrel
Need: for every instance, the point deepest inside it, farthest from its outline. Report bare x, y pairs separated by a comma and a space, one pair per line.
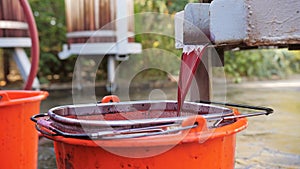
12, 19
85, 17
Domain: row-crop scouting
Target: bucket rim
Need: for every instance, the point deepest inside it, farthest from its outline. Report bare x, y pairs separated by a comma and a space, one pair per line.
162, 140
58, 113
14, 97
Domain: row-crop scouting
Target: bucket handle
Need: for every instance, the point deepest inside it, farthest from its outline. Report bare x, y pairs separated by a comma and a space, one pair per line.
34, 118
45, 131
43, 127
266, 111
4, 96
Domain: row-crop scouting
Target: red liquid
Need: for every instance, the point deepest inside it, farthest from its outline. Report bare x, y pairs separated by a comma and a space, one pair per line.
189, 63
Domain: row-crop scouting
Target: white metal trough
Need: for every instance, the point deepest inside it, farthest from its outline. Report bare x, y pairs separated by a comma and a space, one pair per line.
239, 23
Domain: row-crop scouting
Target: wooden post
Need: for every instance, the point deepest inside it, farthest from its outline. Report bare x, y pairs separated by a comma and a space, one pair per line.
6, 66
1, 18
201, 84
202, 81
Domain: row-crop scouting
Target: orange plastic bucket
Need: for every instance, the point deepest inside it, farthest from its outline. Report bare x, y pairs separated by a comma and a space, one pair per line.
216, 152
199, 147
18, 138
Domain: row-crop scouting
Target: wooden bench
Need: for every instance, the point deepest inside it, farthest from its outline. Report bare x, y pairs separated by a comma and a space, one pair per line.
100, 28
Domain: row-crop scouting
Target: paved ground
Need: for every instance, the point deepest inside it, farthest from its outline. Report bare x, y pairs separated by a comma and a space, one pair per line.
268, 142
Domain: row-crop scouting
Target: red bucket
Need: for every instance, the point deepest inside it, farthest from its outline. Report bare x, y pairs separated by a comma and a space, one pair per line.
146, 135
19, 140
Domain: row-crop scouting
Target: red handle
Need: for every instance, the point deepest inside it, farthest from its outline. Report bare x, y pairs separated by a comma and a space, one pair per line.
110, 98
4, 96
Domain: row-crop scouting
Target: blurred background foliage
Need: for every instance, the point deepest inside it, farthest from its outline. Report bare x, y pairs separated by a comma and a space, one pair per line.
261, 64
50, 19
254, 64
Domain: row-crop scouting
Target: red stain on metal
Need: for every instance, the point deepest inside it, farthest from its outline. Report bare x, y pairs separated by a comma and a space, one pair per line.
190, 59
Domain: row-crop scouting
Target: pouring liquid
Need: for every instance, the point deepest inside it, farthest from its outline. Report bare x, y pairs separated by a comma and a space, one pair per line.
190, 60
